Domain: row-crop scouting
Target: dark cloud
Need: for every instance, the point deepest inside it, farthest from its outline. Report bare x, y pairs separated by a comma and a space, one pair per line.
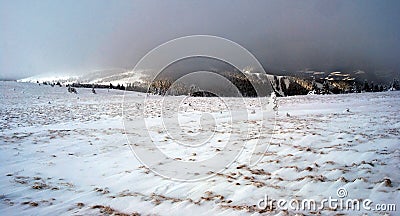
63, 37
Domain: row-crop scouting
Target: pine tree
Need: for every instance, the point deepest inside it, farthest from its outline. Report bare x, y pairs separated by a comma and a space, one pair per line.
365, 86
283, 86
326, 87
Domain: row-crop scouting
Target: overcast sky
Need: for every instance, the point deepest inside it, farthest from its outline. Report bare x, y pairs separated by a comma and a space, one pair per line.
42, 36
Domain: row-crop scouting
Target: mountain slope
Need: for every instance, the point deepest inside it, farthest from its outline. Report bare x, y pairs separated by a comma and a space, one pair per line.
282, 85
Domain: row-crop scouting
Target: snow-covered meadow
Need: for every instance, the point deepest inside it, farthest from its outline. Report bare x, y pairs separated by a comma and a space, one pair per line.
67, 154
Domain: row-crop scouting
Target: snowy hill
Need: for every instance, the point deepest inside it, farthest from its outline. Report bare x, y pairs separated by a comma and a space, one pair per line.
283, 85
335, 82
107, 76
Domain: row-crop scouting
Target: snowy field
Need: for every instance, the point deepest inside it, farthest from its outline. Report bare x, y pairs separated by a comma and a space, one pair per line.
67, 154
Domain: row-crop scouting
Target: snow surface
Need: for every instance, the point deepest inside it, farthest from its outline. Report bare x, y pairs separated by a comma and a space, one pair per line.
64, 153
